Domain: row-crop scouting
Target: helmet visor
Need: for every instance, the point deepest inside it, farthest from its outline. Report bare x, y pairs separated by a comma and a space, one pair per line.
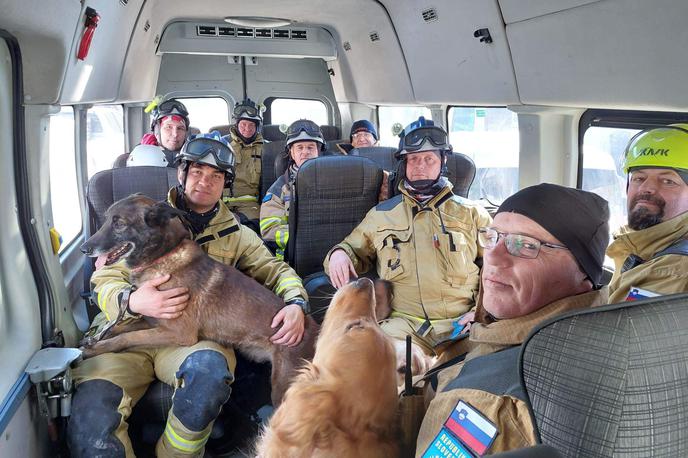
169, 107
414, 140
198, 148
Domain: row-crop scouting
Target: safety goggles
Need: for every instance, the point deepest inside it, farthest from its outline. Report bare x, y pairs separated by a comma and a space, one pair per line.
248, 109
169, 107
522, 246
198, 148
415, 139
309, 127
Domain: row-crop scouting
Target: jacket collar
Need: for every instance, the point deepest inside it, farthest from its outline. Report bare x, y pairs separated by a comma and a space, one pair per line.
514, 331
224, 218
647, 242
442, 196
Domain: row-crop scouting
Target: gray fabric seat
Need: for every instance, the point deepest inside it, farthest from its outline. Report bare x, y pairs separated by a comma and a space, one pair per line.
271, 151
223, 129
330, 132
272, 133
381, 155
612, 381
332, 195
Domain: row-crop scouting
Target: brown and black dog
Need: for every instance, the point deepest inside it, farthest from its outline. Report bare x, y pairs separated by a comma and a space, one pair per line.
224, 305
344, 403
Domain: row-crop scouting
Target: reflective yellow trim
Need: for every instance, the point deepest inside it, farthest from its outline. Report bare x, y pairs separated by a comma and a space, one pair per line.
185, 445
102, 296
267, 223
287, 283
281, 238
246, 198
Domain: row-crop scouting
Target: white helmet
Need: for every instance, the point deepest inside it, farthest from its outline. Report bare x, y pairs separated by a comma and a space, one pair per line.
150, 155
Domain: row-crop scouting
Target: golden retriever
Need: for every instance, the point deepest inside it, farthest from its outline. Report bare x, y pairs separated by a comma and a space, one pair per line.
344, 403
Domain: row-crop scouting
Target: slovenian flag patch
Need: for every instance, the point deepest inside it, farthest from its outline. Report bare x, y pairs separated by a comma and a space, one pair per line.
471, 428
636, 294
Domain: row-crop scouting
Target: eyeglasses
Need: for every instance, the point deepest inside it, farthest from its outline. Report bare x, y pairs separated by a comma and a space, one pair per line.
361, 134
522, 246
198, 148
309, 127
416, 138
171, 106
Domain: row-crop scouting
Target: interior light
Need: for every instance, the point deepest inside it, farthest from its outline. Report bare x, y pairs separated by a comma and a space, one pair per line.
252, 21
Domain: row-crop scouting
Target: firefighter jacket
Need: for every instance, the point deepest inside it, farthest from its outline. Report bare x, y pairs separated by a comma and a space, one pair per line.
344, 148
226, 241
246, 187
274, 214
487, 382
666, 274
428, 251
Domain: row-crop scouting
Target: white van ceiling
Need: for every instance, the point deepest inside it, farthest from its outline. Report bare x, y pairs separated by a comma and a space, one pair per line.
547, 52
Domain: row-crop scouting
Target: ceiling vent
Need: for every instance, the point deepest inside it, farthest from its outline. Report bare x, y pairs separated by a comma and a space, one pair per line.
146, 26
280, 33
347, 46
298, 35
124, 2
374, 36
429, 15
206, 31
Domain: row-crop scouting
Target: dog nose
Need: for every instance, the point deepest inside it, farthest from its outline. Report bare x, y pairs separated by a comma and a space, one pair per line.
85, 249
363, 282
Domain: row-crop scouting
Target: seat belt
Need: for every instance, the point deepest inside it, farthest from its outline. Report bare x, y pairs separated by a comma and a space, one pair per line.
679, 247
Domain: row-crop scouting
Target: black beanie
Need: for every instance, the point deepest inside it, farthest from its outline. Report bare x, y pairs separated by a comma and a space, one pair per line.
579, 219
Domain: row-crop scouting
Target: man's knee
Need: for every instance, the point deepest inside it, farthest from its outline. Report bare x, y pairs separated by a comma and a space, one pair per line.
204, 387
94, 419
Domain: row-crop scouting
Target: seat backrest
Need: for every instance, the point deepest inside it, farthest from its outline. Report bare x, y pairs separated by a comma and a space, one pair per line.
194, 131
271, 151
612, 380
272, 133
332, 195
461, 173
331, 145
223, 129
330, 132
381, 155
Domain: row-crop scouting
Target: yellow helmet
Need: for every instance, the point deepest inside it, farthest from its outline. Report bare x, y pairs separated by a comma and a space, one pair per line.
665, 147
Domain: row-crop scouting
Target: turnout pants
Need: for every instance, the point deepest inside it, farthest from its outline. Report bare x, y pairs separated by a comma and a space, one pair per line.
132, 371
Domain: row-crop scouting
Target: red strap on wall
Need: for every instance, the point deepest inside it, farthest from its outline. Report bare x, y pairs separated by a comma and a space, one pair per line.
92, 19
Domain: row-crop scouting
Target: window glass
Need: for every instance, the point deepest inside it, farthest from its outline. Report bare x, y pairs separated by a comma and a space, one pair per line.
64, 196
104, 137
490, 137
206, 112
286, 111
388, 116
603, 149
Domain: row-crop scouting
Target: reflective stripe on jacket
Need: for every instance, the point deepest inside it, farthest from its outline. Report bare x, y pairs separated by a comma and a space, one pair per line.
274, 214
663, 275
427, 251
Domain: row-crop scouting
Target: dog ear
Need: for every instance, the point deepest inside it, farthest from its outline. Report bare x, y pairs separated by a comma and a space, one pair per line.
160, 214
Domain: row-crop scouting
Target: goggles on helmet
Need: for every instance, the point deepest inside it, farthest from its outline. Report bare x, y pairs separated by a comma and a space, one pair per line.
248, 109
665, 147
415, 139
170, 107
199, 147
309, 127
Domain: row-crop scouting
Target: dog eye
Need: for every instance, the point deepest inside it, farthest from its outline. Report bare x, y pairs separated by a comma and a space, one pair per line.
117, 223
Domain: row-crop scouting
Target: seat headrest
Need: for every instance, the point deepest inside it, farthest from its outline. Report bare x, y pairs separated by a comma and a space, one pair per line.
223, 129
193, 130
272, 133
330, 132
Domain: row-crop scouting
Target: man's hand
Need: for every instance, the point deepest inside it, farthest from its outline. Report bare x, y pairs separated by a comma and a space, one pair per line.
467, 320
147, 300
341, 268
291, 332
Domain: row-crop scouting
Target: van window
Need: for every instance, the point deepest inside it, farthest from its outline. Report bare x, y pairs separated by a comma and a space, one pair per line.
207, 112
104, 137
286, 111
388, 116
64, 196
603, 149
489, 136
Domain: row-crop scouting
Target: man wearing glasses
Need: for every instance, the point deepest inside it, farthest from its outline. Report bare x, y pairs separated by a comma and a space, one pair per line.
363, 134
650, 252
109, 385
543, 256
424, 241
246, 141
